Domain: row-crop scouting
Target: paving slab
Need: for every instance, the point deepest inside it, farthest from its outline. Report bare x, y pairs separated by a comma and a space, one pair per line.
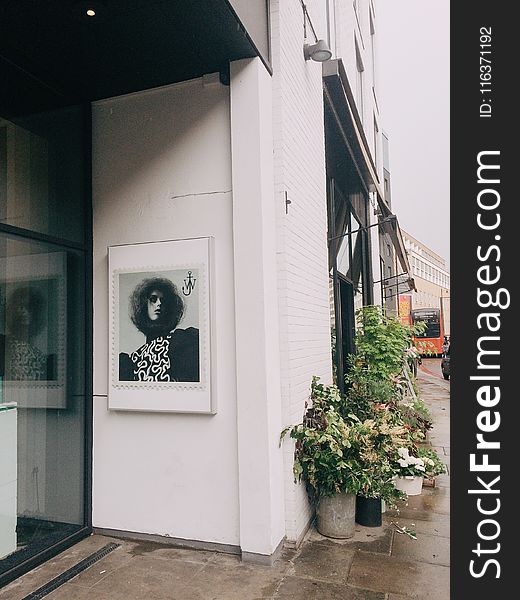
69, 591
147, 578
426, 548
324, 562
370, 539
440, 526
295, 588
241, 582
393, 575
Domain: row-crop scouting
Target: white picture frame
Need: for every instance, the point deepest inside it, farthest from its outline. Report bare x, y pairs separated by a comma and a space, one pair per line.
43, 352
169, 368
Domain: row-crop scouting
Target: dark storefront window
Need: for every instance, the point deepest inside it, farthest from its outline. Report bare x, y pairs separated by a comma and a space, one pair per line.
41, 185
43, 333
348, 258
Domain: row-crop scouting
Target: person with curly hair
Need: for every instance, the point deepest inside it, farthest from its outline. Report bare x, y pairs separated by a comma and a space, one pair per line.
20, 357
169, 353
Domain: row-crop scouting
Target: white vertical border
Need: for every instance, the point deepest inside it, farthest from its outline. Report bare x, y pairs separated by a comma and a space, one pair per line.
165, 396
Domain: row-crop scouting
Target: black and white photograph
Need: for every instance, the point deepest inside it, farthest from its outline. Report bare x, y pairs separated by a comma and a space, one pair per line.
164, 309
160, 326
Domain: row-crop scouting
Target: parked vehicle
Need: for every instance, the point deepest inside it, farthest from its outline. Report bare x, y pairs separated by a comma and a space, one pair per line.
445, 363
430, 341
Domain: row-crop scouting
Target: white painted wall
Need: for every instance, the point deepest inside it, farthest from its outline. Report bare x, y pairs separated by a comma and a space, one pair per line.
303, 286
260, 459
162, 171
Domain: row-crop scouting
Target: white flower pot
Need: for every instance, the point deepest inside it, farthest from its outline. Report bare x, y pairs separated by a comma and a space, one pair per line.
411, 484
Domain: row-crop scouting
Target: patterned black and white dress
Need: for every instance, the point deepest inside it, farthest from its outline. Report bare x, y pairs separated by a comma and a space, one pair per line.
174, 357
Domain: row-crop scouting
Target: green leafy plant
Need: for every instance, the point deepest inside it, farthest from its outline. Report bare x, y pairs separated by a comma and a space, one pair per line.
367, 392
432, 463
381, 342
337, 452
415, 415
376, 441
323, 454
352, 443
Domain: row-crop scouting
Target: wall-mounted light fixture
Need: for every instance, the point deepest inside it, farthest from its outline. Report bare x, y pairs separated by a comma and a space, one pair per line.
319, 52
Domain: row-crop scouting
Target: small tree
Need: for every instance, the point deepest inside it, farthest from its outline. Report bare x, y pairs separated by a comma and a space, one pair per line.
381, 342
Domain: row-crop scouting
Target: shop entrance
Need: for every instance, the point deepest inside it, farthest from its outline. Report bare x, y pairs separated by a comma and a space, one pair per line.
44, 348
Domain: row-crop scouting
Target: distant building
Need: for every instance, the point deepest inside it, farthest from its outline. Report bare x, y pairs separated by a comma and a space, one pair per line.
431, 276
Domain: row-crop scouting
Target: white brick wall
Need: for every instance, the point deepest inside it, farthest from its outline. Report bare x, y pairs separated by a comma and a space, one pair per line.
349, 29
299, 159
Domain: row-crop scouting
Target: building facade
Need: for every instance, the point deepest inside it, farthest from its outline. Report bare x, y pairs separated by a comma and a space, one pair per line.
230, 160
432, 279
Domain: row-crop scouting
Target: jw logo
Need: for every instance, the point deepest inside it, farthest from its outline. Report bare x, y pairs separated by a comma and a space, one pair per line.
189, 284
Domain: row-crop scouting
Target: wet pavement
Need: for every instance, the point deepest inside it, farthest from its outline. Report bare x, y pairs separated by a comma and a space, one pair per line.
378, 563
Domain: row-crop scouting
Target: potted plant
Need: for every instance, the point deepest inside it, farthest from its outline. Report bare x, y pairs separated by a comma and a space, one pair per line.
410, 471
327, 460
433, 465
376, 440
415, 415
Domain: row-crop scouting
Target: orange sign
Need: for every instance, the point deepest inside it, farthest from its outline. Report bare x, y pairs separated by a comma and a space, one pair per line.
405, 308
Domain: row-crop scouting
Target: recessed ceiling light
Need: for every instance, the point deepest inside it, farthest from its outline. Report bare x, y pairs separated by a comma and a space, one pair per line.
91, 12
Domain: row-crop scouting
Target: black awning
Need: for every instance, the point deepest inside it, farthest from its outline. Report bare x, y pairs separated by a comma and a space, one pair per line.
390, 225
338, 94
52, 53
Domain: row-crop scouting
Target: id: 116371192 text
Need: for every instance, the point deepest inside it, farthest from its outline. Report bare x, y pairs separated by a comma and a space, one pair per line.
485, 109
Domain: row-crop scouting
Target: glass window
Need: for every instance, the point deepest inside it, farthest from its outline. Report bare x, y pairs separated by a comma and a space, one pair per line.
343, 264
43, 407
42, 395
42, 179
355, 273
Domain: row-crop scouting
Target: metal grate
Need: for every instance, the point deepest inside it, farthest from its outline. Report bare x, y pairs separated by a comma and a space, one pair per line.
67, 575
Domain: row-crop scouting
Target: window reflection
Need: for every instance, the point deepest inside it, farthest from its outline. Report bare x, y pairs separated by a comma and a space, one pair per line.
42, 402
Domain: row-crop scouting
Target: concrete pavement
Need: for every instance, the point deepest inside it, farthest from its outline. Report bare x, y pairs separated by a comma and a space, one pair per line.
380, 563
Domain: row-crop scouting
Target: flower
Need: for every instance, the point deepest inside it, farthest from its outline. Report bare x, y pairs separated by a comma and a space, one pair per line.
407, 464
432, 463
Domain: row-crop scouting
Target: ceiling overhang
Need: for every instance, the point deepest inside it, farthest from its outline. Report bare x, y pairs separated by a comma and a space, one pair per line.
52, 54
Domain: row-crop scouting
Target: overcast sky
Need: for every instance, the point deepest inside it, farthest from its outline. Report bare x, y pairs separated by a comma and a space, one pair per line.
413, 70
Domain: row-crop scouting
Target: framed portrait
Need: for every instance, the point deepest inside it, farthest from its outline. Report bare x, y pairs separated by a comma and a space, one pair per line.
33, 330
161, 327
